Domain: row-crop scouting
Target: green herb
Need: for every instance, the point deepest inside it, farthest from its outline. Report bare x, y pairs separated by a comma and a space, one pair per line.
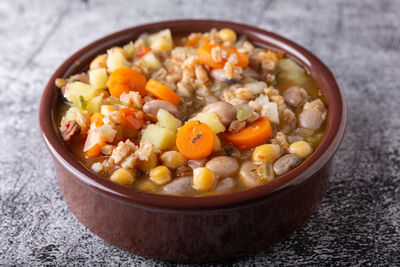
82, 102
197, 137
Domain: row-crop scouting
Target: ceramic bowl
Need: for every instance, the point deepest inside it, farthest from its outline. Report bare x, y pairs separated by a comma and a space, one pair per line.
195, 229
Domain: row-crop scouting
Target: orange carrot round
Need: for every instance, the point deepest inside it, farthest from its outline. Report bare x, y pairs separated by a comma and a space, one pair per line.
163, 92
195, 140
132, 118
125, 79
251, 136
205, 57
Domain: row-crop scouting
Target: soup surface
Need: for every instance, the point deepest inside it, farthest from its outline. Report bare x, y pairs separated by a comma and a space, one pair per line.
207, 113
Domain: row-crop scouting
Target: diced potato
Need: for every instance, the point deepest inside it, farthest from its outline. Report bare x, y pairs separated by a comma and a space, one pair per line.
98, 78
270, 110
167, 120
130, 49
116, 60
160, 137
291, 71
94, 104
161, 41
211, 120
151, 61
76, 89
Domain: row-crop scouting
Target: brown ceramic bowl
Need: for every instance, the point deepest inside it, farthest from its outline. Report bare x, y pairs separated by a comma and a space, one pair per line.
195, 229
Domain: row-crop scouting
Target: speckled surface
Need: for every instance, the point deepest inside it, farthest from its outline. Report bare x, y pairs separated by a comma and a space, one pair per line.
358, 222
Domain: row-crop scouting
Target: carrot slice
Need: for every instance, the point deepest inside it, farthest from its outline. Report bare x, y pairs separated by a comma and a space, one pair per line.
163, 92
97, 119
205, 57
195, 140
125, 79
251, 136
132, 118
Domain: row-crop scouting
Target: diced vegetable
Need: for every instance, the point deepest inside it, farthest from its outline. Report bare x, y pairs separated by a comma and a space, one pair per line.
211, 120
75, 114
161, 41
130, 49
163, 92
98, 78
270, 110
113, 100
143, 51
116, 60
195, 140
160, 137
265, 172
205, 56
75, 90
151, 61
167, 120
94, 104
124, 80
243, 113
291, 71
251, 136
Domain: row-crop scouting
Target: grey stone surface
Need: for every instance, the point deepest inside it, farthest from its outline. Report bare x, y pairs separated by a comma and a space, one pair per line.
358, 222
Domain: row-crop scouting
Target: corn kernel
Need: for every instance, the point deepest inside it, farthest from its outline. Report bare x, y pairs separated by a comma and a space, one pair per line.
123, 176
203, 179
147, 165
301, 149
227, 35
172, 159
99, 62
160, 175
266, 153
147, 186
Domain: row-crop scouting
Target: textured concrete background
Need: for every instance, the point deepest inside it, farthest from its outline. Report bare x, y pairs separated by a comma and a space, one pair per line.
358, 222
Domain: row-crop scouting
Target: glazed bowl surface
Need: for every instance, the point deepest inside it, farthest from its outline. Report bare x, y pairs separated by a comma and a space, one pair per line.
195, 229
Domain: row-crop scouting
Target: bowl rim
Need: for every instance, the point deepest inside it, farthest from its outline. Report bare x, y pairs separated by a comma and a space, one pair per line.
336, 121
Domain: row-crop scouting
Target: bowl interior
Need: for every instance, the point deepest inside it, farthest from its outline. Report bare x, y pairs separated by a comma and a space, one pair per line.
80, 62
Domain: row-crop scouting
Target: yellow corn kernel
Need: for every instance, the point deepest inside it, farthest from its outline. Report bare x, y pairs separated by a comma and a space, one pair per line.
266, 153
203, 179
172, 159
227, 35
99, 62
217, 144
147, 165
147, 186
301, 149
160, 175
123, 176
